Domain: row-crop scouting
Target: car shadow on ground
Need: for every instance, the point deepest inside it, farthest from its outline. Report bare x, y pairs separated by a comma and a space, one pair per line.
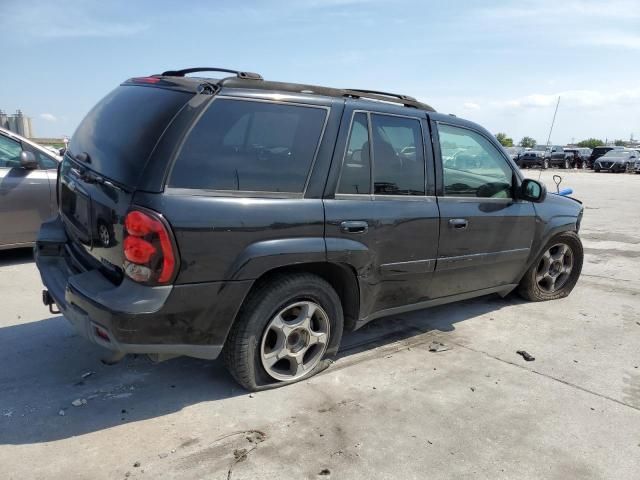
50, 367
17, 256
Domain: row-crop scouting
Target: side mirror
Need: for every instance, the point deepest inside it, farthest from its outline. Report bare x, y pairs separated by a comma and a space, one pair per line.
28, 160
532, 190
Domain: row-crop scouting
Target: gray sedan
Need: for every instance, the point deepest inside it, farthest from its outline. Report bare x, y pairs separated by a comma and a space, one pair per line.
28, 174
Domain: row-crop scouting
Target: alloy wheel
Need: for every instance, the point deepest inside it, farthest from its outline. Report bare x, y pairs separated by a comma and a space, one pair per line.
554, 268
295, 340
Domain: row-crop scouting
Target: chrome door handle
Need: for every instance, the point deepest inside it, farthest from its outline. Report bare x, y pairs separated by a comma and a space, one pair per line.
459, 223
354, 226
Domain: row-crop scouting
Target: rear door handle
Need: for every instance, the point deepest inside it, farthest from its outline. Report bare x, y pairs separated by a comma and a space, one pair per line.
459, 223
354, 226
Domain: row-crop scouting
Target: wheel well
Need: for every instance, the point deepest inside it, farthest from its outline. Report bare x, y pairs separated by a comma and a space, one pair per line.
340, 276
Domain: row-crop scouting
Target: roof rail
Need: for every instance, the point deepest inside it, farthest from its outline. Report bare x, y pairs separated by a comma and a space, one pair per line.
384, 94
405, 100
182, 73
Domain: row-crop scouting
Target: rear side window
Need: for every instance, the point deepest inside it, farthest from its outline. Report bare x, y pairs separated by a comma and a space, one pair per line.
120, 132
250, 146
398, 157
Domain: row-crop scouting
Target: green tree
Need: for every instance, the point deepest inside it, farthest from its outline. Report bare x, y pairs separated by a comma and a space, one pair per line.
504, 140
619, 143
590, 143
528, 142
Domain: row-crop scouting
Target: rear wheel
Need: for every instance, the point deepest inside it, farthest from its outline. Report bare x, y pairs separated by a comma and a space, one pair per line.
556, 271
567, 164
287, 330
545, 163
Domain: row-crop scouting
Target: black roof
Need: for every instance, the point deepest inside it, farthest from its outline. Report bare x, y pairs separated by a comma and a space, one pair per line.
254, 81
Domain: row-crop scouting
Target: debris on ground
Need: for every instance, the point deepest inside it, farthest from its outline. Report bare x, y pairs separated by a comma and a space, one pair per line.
473, 389
136, 465
61, 413
524, 354
87, 374
256, 436
325, 471
78, 402
438, 347
240, 454
251, 395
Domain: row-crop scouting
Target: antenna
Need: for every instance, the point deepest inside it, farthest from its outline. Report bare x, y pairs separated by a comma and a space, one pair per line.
553, 121
551, 129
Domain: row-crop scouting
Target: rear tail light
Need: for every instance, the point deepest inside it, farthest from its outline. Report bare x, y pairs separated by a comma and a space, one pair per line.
149, 250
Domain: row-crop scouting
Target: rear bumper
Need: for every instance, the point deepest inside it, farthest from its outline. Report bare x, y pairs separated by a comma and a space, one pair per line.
191, 319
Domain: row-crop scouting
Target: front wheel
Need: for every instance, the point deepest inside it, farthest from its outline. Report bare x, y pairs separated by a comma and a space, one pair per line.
288, 329
556, 271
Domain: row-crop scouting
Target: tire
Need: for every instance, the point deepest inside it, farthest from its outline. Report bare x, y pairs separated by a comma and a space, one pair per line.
567, 164
545, 164
254, 328
536, 286
596, 169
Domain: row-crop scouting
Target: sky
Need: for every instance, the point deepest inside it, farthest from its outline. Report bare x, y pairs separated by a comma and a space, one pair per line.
502, 64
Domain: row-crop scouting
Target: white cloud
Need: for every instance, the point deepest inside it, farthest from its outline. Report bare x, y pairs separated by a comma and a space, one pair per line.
49, 117
471, 106
573, 99
612, 39
552, 10
64, 19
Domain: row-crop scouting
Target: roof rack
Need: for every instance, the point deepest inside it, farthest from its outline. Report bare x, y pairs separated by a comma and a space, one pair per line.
182, 73
385, 94
405, 100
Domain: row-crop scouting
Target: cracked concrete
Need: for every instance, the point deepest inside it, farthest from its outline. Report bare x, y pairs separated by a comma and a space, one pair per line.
388, 408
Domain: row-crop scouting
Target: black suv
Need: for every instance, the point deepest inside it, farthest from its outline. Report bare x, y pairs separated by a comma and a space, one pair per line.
258, 220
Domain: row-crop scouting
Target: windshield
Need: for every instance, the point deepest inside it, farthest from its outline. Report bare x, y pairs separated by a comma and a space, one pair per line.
540, 148
617, 154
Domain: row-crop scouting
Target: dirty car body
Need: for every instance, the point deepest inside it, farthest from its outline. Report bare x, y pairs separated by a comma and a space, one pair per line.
177, 219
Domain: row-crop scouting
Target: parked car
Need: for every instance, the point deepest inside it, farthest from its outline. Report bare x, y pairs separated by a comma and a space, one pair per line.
27, 189
617, 161
514, 152
538, 156
561, 157
258, 220
535, 157
580, 156
597, 152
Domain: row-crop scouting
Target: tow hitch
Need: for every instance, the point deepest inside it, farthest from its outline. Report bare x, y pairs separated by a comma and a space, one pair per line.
48, 301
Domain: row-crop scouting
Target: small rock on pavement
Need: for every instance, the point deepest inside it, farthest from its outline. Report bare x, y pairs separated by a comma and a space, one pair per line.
526, 355
251, 395
79, 402
136, 465
325, 471
438, 347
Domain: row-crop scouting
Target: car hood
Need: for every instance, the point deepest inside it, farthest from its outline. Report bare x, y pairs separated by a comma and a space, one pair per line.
613, 160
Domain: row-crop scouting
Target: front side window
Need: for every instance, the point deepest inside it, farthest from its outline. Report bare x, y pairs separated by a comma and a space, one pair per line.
10, 151
472, 166
398, 156
250, 146
355, 177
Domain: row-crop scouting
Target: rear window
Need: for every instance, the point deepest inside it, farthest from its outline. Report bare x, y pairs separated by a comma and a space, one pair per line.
120, 132
250, 146
601, 150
